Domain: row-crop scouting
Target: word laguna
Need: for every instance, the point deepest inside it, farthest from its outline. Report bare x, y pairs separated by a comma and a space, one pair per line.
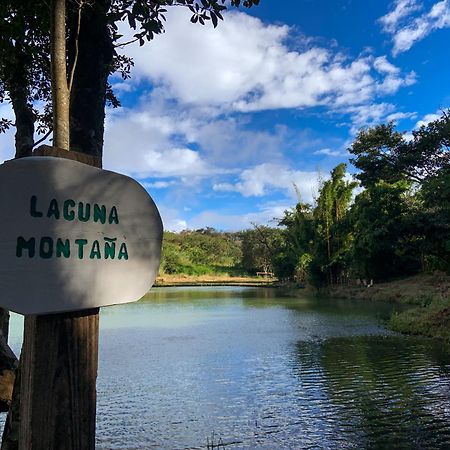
49, 247
70, 209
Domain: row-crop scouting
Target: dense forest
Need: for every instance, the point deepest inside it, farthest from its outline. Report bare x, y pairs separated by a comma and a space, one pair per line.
391, 219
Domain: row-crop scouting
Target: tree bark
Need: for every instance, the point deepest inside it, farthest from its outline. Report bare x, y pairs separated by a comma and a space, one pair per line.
88, 95
60, 91
17, 87
59, 371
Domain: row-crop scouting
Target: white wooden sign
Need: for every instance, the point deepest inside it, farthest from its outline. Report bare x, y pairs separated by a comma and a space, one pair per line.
74, 237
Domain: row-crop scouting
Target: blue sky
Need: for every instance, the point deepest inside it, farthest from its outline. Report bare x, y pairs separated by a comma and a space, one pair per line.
219, 124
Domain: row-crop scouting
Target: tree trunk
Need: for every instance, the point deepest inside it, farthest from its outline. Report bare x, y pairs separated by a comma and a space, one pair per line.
88, 95
60, 91
17, 87
58, 378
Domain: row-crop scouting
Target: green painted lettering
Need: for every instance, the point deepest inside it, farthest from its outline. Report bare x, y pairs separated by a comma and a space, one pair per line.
53, 209
95, 251
63, 248
46, 247
84, 212
81, 243
33, 211
67, 212
123, 252
99, 213
22, 244
113, 216
110, 247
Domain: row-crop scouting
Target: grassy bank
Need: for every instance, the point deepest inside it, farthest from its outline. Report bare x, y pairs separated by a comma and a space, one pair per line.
428, 295
212, 280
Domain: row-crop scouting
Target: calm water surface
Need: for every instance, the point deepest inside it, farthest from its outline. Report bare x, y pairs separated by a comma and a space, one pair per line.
249, 369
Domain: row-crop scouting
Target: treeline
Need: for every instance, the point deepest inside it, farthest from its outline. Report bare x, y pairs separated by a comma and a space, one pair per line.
397, 225
208, 251
392, 219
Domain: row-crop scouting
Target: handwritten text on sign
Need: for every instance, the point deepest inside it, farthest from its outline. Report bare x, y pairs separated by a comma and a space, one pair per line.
49, 247
73, 237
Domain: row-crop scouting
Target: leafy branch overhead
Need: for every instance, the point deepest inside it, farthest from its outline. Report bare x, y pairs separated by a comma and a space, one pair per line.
93, 37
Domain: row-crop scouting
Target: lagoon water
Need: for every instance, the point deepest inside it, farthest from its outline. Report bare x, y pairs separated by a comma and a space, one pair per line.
248, 368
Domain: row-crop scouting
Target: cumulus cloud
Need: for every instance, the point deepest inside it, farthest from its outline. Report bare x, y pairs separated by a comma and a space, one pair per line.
246, 65
171, 220
143, 144
158, 184
400, 116
424, 121
329, 152
164, 140
368, 115
427, 119
265, 214
405, 33
402, 9
265, 178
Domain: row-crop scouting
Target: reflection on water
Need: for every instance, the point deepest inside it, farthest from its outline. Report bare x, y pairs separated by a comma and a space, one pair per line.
266, 372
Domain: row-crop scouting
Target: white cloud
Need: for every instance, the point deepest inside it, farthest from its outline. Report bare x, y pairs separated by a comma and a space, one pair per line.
405, 35
158, 184
431, 117
402, 9
329, 152
368, 115
400, 116
427, 119
266, 214
171, 220
142, 144
246, 65
259, 180
393, 80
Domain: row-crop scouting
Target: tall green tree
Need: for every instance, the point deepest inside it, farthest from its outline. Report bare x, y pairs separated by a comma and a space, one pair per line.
294, 256
407, 183
332, 237
384, 234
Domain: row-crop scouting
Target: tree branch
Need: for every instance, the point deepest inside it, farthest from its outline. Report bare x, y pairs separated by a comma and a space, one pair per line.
49, 132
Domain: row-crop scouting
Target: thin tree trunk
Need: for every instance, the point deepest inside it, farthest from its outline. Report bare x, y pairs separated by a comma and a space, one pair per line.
60, 91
